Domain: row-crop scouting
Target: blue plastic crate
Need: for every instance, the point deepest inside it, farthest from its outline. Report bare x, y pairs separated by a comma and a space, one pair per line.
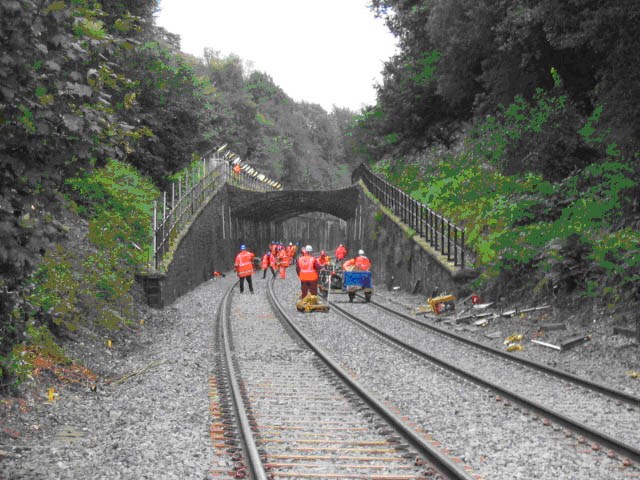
356, 279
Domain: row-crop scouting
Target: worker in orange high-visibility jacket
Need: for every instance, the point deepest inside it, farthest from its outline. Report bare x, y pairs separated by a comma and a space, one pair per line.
307, 268
324, 259
291, 251
243, 266
283, 262
341, 253
360, 263
268, 263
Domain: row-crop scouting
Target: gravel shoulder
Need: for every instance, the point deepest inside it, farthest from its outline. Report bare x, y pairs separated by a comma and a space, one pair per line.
148, 416
606, 358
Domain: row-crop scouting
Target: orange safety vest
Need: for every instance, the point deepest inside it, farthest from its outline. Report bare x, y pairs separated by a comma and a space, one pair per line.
237, 169
308, 273
244, 263
363, 263
283, 257
324, 260
349, 263
341, 252
267, 260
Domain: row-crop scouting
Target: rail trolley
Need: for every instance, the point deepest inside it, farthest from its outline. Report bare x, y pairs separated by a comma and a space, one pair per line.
336, 280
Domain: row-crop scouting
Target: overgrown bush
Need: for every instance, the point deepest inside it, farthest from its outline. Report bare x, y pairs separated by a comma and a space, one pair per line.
91, 285
559, 213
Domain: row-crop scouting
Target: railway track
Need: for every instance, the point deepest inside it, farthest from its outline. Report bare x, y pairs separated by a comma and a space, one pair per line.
605, 415
470, 417
442, 333
298, 415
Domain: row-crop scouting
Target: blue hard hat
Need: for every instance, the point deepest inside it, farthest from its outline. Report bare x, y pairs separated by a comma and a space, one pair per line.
243, 247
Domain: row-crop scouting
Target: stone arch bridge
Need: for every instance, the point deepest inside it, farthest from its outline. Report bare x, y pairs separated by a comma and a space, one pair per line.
281, 205
235, 215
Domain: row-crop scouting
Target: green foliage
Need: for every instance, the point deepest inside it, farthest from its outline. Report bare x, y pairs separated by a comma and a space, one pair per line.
589, 129
498, 139
84, 288
57, 288
458, 60
17, 367
118, 201
426, 67
566, 224
41, 336
90, 28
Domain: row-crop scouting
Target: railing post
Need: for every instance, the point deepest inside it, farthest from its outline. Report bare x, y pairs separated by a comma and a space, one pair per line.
155, 239
455, 246
442, 235
180, 203
164, 222
462, 249
448, 241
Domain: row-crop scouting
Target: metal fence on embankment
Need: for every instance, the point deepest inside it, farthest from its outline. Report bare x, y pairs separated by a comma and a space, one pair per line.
443, 235
175, 209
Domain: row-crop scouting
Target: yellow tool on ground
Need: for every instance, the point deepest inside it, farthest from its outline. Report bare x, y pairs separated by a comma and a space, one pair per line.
516, 337
311, 303
444, 303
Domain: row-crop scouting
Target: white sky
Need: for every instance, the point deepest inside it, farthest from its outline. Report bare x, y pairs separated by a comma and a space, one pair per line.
329, 52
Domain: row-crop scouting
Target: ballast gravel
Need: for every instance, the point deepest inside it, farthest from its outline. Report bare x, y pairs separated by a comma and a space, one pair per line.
152, 420
495, 438
614, 418
154, 424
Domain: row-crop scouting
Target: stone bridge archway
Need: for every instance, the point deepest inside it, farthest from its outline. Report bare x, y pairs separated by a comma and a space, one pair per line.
282, 205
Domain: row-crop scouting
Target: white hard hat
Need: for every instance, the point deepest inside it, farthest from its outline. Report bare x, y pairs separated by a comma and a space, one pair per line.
308, 248
360, 252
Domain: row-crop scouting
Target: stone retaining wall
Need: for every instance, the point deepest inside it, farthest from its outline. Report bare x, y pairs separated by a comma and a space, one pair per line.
210, 244
401, 259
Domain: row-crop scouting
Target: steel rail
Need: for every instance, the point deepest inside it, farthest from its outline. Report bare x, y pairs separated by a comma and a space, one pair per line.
442, 463
250, 448
598, 387
629, 451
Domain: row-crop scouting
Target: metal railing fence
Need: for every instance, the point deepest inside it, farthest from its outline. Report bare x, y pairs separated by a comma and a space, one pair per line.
175, 209
443, 235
